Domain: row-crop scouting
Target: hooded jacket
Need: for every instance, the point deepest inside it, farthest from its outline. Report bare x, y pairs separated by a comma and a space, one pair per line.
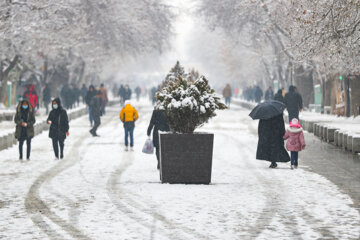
28, 131
32, 96
295, 139
128, 115
59, 122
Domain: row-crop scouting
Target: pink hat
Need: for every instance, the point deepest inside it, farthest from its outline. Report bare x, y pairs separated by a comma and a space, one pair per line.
295, 123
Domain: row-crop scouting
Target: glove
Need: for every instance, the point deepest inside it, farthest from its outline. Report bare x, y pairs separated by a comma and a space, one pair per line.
303, 147
67, 134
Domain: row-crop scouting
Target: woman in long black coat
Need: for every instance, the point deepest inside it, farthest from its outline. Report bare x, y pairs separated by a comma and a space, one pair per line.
271, 143
24, 120
159, 123
59, 127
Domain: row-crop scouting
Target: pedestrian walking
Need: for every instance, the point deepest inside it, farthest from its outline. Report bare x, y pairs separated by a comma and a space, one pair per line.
95, 104
293, 102
227, 93
46, 97
104, 98
137, 92
83, 92
24, 120
128, 116
89, 95
127, 93
271, 143
32, 97
59, 127
279, 96
153, 95
258, 94
295, 141
121, 94
269, 94
157, 123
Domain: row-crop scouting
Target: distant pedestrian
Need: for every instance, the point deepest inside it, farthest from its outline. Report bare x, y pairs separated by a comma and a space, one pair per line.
127, 93
32, 97
158, 122
279, 97
89, 95
227, 93
153, 95
128, 116
271, 143
137, 92
121, 94
95, 104
104, 98
296, 142
83, 92
258, 94
293, 102
46, 97
76, 95
269, 94
24, 120
59, 127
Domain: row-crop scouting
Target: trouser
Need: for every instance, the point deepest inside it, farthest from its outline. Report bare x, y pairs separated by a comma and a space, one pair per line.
294, 158
56, 143
97, 123
28, 147
293, 114
90, 116
227, 101
129, 131
46, 104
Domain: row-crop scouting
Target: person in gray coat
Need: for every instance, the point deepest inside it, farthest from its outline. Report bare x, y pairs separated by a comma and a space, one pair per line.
95, 104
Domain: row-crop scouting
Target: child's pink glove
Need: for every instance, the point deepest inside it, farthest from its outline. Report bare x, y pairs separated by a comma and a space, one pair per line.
303, 147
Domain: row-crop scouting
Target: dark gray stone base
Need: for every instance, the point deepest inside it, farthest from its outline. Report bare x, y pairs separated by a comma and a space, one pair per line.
186, 158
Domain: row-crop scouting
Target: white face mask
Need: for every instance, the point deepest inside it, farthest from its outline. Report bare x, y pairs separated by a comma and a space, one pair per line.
55, 106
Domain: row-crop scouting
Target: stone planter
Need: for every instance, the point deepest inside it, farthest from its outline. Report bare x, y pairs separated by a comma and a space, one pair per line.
186, 158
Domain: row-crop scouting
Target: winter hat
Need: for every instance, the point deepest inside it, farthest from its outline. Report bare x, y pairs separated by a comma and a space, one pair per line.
295, 123
127, 102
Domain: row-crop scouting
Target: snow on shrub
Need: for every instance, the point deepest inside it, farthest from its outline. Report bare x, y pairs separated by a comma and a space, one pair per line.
188, 104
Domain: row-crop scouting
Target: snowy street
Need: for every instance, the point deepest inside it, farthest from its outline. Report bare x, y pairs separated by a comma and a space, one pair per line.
99, 191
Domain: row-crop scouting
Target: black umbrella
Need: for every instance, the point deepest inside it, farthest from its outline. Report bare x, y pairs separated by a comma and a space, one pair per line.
267, 110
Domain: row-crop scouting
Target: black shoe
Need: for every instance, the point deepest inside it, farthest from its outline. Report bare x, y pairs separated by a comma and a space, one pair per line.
273, 165
61, 156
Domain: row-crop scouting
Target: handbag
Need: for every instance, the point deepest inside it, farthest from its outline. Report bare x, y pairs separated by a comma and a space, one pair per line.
148, 146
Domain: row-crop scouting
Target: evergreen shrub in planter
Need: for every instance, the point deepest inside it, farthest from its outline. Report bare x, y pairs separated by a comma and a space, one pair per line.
188, 102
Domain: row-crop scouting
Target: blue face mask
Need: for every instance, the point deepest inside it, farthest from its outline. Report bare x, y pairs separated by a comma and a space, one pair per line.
55, 106
25, 106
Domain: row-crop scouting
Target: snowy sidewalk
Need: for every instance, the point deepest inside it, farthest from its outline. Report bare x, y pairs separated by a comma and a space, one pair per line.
99, 191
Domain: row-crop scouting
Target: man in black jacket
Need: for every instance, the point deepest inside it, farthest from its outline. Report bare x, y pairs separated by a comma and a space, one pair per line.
46, 97
89, 95
293, 102
159, 123
59, 127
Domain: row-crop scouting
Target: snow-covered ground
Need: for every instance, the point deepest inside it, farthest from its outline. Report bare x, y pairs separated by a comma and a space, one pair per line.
99, 191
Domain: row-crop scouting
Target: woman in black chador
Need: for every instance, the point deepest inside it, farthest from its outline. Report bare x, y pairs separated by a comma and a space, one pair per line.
59, 127
25, 120
271, 143
159, 123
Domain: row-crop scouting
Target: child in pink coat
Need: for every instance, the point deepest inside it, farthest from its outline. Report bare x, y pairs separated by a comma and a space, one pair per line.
296, 141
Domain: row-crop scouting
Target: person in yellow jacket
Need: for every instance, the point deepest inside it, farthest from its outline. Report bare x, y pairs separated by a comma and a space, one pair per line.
128, 116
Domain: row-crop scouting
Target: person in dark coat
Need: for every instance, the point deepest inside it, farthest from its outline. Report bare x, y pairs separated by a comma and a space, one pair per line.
121, 94
95, 104
59, 127
46, 97
293, 102
83, 92
137, 92
24, 120
89, 95
279, 97
127, 93
271, 143
158, 122
269, 94
258, 94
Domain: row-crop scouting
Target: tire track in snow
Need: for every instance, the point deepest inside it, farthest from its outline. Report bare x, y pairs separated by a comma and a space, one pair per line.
37, 209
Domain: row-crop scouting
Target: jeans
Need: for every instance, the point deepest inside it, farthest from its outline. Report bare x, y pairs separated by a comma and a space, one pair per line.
56, 143
129, 131
90, 116
294, 158
28, 147
227, 101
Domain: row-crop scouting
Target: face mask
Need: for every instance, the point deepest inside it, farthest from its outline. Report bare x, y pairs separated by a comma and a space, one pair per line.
25, 106
55, 106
